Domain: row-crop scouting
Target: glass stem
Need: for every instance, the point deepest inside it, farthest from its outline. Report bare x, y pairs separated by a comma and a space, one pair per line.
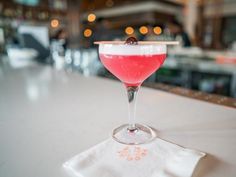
132, 93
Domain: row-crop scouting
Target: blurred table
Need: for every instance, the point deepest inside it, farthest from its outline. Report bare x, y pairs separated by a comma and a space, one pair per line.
48, 116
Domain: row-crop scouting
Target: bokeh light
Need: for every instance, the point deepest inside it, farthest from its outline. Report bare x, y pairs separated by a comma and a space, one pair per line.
129, 30
54, 23
88, 32
91, 17
143, 30
157, 30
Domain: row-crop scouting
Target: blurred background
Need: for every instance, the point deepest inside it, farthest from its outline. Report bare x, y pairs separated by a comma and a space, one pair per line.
60, 33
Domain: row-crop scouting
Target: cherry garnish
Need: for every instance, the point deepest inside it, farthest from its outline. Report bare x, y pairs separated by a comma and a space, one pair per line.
131, 41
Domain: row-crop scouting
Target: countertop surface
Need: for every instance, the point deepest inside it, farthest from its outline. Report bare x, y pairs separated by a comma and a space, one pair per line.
48, 116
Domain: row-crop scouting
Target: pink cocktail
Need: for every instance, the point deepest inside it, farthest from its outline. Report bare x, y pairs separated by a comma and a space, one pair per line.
132, 64
132, 70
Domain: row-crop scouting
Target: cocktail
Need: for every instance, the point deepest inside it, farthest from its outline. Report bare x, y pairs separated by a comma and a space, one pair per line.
132, 62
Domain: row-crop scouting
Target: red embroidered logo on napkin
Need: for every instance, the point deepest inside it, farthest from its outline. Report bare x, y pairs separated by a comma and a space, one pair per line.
132, 153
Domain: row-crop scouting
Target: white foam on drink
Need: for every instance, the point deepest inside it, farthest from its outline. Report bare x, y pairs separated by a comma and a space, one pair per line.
123, 49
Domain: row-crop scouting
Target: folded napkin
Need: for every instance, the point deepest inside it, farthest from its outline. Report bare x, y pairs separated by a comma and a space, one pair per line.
158, 158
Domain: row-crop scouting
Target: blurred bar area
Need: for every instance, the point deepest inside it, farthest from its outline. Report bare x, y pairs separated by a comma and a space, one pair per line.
60, 33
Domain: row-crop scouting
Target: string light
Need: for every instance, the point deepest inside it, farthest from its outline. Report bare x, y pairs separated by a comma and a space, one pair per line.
91, 17
87, 32
129, 30
54, 23
143, 30
157, 30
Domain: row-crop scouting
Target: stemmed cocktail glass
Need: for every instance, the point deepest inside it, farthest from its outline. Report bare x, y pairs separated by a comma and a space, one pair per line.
132, 62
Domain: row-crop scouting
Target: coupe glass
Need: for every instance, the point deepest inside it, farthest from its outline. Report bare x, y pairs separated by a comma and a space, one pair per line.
132, 64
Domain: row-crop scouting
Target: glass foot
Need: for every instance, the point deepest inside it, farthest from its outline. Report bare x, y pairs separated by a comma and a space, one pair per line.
140, 135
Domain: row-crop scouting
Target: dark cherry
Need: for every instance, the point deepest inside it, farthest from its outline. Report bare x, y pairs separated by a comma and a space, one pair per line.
131, 41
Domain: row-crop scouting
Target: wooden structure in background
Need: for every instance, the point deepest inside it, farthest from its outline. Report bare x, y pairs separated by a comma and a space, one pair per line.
214, 13
207, 34
74, 24
41, 12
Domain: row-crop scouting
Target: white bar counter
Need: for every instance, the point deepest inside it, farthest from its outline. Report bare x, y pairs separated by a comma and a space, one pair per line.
48, 116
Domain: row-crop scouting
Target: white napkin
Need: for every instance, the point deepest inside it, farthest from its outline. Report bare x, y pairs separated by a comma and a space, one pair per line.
158, 158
